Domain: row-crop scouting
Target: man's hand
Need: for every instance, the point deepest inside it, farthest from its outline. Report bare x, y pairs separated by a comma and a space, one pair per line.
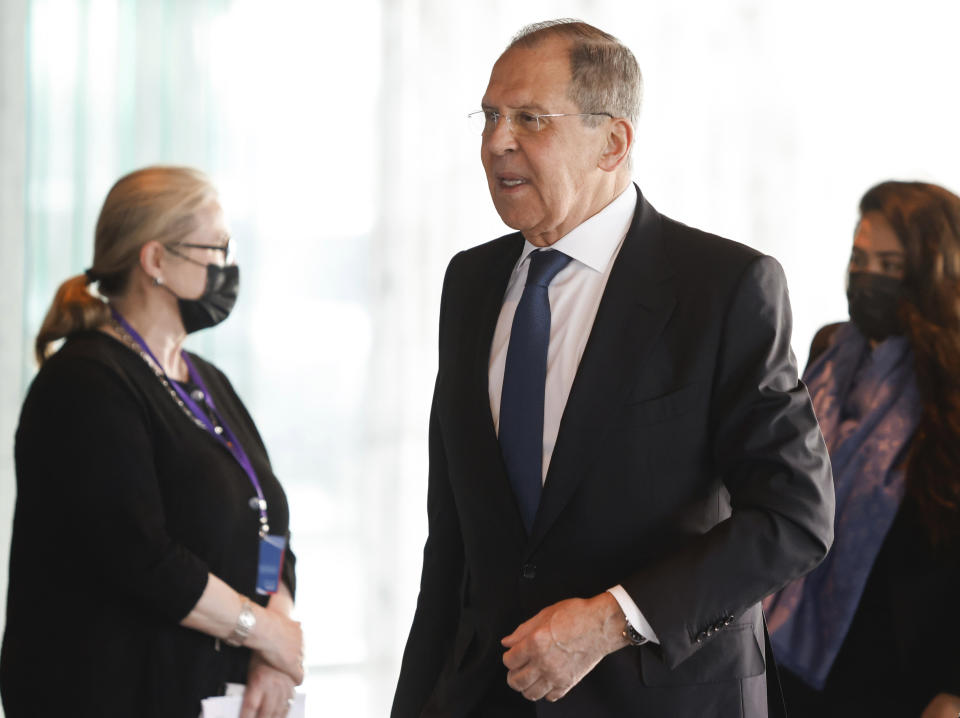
943, 706
552, 652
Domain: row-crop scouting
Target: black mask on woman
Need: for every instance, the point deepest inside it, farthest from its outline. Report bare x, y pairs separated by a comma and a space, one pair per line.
874, 303
216, 302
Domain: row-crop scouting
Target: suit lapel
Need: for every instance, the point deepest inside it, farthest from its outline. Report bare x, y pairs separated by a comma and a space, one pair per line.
636, 304
491, 485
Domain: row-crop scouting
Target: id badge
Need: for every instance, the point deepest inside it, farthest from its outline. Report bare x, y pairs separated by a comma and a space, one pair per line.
270, 564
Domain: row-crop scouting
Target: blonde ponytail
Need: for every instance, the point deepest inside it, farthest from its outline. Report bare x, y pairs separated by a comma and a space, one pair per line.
73, 309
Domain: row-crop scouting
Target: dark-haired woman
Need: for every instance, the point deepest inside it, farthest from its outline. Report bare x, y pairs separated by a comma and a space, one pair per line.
873, 630
149, 531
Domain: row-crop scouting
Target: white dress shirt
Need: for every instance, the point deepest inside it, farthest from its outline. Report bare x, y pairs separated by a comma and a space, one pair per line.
575, 295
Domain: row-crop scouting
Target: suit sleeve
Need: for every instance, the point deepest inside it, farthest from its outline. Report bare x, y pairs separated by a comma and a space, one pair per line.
767, 448
437, 613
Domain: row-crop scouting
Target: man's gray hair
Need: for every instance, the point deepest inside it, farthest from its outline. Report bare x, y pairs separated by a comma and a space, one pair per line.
605, 76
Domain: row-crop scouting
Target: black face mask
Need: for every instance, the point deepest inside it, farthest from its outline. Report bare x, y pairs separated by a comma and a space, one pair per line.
216, 302
874, 301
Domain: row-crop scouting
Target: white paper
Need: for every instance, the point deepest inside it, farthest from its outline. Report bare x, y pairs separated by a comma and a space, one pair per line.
228, 706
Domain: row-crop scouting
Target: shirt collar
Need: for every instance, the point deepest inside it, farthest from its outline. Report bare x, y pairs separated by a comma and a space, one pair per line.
595, 241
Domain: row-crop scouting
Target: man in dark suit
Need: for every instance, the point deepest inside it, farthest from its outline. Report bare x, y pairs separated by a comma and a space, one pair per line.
622, 460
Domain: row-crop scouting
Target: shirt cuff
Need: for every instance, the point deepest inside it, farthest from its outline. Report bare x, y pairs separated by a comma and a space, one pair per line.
634, 617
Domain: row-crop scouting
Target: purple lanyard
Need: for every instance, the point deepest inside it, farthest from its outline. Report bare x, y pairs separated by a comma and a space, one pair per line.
227, 439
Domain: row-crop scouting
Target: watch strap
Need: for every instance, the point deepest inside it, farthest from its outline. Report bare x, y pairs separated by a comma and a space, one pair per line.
632, 634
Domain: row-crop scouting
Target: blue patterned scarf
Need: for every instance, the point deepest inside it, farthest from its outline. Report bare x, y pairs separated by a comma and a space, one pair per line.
868, 408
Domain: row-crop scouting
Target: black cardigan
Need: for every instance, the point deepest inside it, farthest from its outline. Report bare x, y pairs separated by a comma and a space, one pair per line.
123, 507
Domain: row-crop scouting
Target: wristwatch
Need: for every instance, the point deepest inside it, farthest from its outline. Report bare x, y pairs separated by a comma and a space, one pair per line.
632, 634
245, 623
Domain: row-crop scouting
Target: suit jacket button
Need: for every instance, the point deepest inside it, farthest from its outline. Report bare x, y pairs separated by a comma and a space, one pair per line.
529, 571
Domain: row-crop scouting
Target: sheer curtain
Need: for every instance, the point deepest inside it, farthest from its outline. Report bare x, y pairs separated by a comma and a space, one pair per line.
337, 137
12, 173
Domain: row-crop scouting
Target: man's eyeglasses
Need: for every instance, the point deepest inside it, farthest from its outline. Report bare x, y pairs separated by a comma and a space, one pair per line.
485, 121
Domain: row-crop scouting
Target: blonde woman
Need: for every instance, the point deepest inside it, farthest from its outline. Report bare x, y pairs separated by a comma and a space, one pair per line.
149, 563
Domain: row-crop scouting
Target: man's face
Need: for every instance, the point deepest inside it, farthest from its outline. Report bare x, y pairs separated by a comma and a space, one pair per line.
542, 183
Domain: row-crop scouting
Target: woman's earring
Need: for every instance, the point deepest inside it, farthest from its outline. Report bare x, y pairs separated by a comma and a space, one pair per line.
157, 281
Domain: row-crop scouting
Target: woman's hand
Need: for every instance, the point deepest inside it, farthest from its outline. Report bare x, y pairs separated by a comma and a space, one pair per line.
269, 692
943, 706
278, 640
275, 635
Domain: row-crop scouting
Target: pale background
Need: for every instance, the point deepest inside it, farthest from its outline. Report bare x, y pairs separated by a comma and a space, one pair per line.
336, 133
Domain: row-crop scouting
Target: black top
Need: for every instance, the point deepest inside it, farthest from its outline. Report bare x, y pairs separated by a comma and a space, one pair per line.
901, 649
124, 505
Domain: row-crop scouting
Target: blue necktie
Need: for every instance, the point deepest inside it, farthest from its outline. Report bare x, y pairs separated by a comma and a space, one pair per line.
524, 378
